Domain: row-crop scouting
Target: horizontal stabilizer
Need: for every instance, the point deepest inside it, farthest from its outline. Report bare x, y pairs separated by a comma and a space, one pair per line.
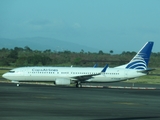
154, 74
147, 70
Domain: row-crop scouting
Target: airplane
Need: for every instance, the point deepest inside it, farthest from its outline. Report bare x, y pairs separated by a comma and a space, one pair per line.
66, 75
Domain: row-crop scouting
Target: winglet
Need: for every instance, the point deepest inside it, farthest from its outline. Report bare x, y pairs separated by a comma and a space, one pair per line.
95, 65
104, 69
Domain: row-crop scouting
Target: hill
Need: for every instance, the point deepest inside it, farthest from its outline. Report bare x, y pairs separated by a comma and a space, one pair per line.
41, 43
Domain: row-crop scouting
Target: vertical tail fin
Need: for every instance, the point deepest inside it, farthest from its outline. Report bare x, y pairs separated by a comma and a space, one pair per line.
141, 59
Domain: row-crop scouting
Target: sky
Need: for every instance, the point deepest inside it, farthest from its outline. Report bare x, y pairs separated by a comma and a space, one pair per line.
118, 25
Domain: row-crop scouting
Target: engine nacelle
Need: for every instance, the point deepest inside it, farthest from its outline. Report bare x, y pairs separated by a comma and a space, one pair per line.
62, 81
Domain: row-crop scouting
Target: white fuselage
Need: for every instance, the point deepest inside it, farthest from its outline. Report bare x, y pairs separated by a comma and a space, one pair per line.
70, 73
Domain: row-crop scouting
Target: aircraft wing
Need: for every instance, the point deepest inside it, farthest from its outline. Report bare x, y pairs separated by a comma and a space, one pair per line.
86, 77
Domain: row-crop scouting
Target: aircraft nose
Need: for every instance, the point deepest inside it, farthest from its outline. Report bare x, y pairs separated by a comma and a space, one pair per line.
4, 75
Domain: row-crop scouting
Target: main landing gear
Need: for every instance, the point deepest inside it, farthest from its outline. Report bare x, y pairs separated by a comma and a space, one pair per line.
78, 84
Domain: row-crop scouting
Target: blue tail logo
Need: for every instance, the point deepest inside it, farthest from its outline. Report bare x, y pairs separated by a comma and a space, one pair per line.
141, 59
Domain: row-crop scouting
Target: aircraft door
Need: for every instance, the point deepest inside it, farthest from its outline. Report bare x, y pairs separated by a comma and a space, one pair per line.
26, 74
21, 74
29, 74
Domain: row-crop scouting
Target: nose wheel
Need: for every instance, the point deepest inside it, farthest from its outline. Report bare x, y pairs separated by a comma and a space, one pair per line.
17, 82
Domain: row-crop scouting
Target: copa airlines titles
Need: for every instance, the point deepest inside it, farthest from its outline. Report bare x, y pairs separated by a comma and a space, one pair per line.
44, 70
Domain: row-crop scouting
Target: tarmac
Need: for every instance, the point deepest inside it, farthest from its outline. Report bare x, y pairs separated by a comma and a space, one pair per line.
44, 102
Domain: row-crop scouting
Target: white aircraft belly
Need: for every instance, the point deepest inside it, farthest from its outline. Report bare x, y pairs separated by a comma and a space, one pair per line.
106, 79
39, 78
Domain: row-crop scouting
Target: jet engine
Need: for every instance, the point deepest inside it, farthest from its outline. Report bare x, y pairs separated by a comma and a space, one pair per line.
62, 81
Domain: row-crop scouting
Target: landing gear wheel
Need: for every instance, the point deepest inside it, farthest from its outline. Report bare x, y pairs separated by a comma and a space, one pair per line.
17, 84
78, 85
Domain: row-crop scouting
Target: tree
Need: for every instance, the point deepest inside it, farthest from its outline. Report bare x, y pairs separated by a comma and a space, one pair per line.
18, 49
111, 51
13, 56
100, 52
27, 49
82, 51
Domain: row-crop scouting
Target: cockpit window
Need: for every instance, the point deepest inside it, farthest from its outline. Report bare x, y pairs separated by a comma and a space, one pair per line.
11, 71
